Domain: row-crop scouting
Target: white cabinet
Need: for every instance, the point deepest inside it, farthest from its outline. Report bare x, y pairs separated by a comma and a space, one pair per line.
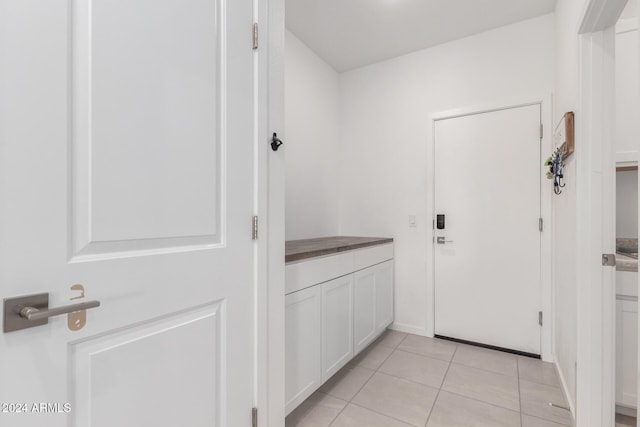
384, 295
302, 349
373, 307
335, 306
626, 352
364, 321
337, 330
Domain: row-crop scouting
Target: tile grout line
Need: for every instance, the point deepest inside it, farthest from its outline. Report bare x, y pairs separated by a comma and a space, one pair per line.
448, 391
519, 392
465, 365
352, 397
435, 401
437, 340
546, 420
450, 363
483, 370
366, 382
384, 415
522, 414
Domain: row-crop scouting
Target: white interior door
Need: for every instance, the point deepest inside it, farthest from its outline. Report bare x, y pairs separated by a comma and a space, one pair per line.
487, 270
126, 166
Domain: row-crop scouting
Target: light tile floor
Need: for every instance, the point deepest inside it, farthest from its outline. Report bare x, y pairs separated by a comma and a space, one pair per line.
407, 380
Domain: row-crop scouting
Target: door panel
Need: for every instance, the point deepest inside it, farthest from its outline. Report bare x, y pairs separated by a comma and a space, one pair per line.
384, 295
487, 184
364, 320
147, 98
108, 366
126, 165
337, 327
303, 329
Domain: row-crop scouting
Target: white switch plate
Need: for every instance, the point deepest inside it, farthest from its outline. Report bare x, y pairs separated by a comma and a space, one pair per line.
412, 221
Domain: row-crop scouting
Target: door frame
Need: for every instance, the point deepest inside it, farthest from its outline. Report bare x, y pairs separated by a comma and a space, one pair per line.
544, 100
595, 171
269, 206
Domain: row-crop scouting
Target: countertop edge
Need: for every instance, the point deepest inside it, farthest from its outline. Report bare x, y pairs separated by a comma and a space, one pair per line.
335, 250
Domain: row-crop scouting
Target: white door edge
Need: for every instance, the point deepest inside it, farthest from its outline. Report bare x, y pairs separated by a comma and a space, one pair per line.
545, 102
269, 386
595, 376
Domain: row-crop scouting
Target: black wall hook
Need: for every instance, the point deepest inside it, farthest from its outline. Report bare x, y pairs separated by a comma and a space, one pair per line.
275, 142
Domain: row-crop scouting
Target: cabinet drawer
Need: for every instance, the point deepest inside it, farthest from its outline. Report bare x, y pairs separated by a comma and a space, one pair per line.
301, 275
367, 257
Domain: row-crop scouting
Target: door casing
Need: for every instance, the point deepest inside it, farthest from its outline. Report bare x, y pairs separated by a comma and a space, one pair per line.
546, 244
595, 394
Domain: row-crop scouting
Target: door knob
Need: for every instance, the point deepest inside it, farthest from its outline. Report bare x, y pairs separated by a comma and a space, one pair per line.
440, 240
33, 310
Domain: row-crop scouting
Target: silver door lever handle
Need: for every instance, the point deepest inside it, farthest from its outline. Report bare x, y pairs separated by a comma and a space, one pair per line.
440, 240
34, 314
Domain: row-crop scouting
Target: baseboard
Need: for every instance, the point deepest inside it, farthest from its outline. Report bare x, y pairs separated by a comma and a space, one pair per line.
409, 329
565, 389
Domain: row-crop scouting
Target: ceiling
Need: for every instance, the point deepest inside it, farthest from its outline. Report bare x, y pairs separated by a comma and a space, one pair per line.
349, 34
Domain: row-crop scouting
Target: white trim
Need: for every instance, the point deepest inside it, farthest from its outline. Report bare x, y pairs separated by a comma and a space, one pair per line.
270, 209
595, 168
410, 329
565, 390
600, 14
546, 344
547, 243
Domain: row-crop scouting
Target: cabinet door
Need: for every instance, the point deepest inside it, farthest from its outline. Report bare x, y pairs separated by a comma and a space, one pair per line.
364, 321
302, 345
626, 352
384, 295
337, 325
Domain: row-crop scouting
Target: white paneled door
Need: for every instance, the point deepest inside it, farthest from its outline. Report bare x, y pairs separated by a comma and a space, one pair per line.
487, 255
126, 177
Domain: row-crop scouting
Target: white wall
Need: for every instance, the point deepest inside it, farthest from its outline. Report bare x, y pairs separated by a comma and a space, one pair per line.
627, 204
627, 111
627, 100
385, 167
311, 137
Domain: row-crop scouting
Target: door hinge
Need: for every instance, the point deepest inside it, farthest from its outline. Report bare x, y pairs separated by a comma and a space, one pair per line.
540, 224
254, 417
254, 33
540, 318
254, 228
541, 130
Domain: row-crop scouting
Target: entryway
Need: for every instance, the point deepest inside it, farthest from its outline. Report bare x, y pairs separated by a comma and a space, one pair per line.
488, 225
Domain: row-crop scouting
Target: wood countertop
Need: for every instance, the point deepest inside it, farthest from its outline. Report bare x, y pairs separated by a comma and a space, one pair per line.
297, 250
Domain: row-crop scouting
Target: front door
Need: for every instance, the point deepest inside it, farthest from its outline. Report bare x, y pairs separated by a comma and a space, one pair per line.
126, 177
487, 242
